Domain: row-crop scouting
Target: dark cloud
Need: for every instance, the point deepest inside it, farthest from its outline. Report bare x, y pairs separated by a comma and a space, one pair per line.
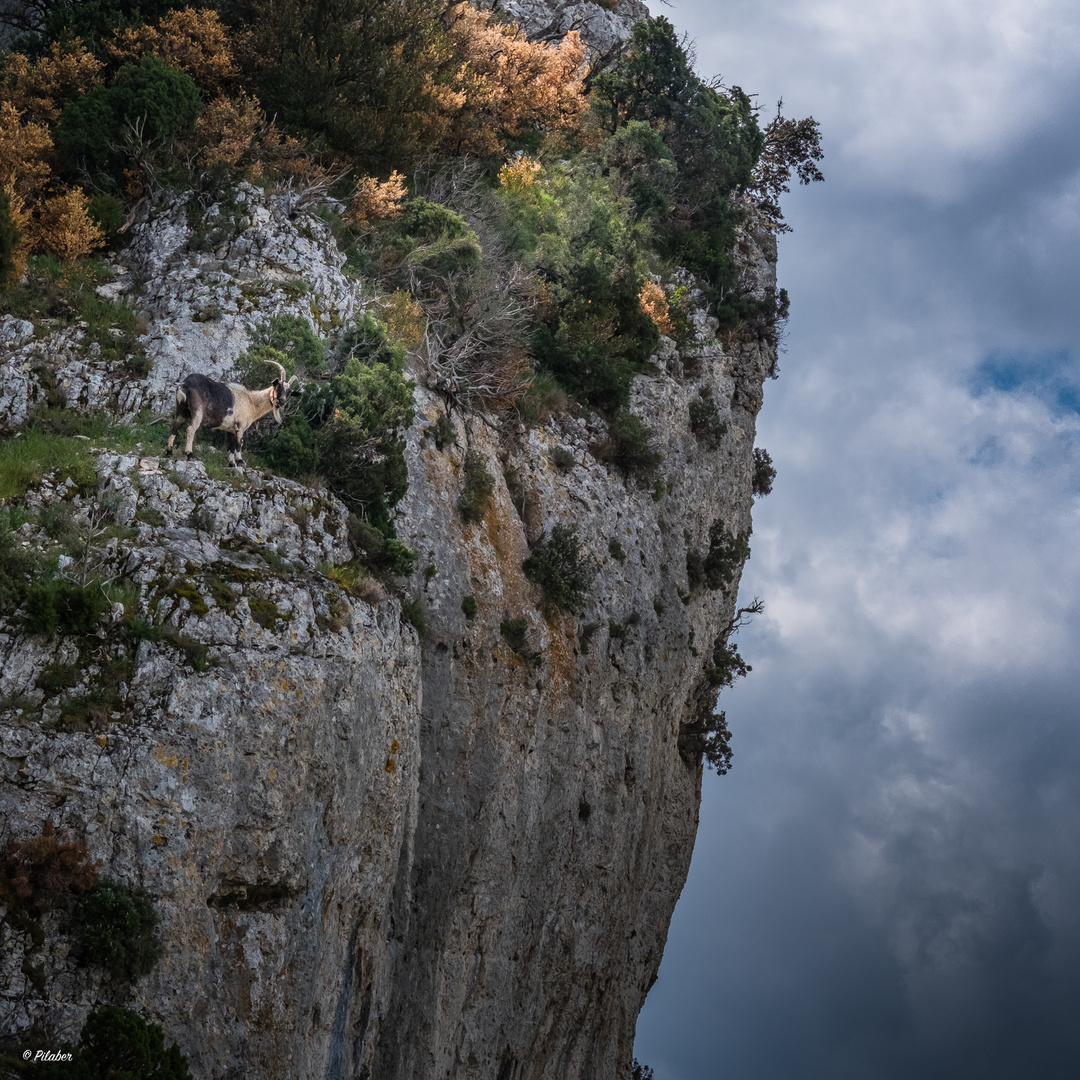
886, 885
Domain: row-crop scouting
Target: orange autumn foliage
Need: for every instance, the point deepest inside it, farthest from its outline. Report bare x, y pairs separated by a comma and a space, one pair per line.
501, 81
63, 227
519, 175
230, 128
654, 303
195, 41
39, 89
376, 201
25, 150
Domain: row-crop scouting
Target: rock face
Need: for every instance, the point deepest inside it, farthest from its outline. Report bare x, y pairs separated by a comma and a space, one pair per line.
372, 855
454, 859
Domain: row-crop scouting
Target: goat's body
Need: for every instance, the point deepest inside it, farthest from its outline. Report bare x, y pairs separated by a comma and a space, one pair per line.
227, 407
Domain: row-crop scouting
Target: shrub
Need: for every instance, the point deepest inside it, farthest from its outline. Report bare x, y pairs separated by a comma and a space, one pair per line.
37, 874
293, 336
414, 615
116, 927
563, 459
714, 139
707, 734
726, 556
9, 241
616, 550
515, 633
627, 447
376, 200
653, 303
357, 75
764, 473
196, 42
505, 85
17, 567
442, 431
63, 227
159, 100
348, 431
65, 607
118, 1044
469, 607
705, 422
107, 212
563, 572
479, 485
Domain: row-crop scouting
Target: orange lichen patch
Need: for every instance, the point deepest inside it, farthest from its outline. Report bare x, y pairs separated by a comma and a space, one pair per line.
394, 747
390, 766
166, 759
271, 776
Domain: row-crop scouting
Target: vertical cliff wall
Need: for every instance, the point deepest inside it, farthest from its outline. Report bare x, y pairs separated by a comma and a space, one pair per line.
373, 855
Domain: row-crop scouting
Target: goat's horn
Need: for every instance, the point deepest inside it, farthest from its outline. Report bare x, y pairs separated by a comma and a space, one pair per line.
284, 373
294, 379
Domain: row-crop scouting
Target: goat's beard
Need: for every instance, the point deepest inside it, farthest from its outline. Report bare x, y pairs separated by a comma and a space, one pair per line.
277, 417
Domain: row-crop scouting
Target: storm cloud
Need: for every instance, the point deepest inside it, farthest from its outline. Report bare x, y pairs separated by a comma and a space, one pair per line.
887, 883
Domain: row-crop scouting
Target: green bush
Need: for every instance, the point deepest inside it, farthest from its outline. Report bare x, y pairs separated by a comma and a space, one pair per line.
707, 734
563, 459
616, 550
469, 607
293, 336
515, 633
724, 560
713, 138
627, 447
764, 473
442, 432
348, 431
563, 572
17, 567
705, 422
413, 613
61, 606
108, 212
479, 485
160, 100
355, 76
9, 240
116, 927
726, 556
118, 1044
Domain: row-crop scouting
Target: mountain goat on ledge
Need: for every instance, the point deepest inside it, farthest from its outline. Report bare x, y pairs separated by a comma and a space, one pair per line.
227, 407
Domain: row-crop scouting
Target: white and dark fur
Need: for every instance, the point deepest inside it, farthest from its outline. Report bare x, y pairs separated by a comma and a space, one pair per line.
227, 407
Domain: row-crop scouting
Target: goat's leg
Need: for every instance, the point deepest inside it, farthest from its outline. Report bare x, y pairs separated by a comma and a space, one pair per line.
239, 437
196, 421
177, 424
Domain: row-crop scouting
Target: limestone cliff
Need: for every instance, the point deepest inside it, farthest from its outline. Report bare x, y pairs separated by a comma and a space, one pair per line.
373, 855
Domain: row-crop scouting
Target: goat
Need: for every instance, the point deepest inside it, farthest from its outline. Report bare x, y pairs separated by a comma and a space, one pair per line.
227, 407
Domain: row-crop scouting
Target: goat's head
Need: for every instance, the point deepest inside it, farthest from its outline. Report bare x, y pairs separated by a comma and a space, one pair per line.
280, 389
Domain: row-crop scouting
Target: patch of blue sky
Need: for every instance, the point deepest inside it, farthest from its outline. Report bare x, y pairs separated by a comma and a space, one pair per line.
1052, 376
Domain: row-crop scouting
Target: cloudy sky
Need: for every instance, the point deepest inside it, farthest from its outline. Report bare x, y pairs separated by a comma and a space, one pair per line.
887, 885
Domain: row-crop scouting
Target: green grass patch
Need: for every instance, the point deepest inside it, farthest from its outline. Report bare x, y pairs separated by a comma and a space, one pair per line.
26, 459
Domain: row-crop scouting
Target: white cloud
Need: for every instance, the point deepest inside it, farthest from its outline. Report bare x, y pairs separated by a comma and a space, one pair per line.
914, 95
